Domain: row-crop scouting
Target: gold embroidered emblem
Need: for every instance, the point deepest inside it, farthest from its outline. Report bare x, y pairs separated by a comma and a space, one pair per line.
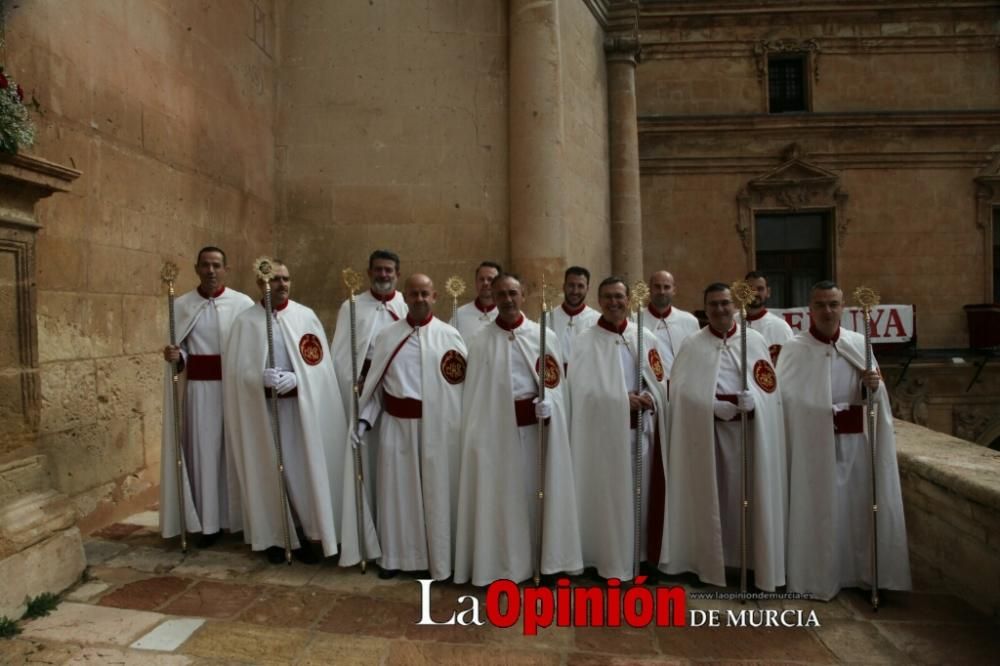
656, 364
552, 372
453, 367
763, 374
311, 349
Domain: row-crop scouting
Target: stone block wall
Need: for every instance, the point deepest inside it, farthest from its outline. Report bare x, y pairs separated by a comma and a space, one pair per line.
951, 495
904, 115
391, 133
167, 109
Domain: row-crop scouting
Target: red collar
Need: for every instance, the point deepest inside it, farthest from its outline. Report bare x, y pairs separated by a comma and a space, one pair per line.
666, 313
278, 308
215, 295
759, 315
483, 308
418, 324
510, 327
608, 326
572, 312
813, 331
730, 334
385, 299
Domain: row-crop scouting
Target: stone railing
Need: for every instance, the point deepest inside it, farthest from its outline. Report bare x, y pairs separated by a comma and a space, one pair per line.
951, 495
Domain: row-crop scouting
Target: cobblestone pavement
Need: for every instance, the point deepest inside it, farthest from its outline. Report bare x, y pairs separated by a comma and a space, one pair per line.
145, 602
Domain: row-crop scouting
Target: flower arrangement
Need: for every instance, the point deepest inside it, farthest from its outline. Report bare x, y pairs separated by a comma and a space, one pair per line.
16, 129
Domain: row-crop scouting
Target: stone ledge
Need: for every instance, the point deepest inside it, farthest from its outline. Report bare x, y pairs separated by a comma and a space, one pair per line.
967, 469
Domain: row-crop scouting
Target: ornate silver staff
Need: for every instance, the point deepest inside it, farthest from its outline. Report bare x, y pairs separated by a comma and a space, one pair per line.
168, 274
264, 269
542, 431
352, 280
640, 293
743, 294
868, 298
454, 287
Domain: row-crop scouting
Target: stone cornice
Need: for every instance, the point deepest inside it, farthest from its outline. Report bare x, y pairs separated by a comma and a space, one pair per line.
657, 46
813, 122
654, 12
37, 172
599, 8
727, 163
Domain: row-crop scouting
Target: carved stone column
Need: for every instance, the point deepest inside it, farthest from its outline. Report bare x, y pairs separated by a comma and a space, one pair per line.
40, 545
626, 210
537, 231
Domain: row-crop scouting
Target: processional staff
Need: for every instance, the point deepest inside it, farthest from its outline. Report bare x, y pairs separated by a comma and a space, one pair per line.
168, 274
640, 294
454, 287
352, 280
543, 437
868, 298
264, 267
743, 294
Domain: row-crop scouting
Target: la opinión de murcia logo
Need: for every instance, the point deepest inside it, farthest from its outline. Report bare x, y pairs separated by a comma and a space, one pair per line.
605, 606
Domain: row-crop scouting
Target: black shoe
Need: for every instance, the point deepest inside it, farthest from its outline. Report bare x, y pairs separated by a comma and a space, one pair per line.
386, 574
208, 540
306, 555
275, 554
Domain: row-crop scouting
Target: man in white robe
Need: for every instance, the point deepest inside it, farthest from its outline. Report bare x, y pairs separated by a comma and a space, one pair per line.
705, 465
823, 379
497, 533
413, 395
604, 406
477, 314
374, 310
311, 419
203, 318
574, 315
775, 329
669, 324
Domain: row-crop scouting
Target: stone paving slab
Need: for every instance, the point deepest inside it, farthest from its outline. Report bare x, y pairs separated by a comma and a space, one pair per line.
169, 635
86, 624
105, 656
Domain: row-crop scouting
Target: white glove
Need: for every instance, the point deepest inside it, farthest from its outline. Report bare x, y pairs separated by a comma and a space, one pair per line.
841, 407
286, 382
270, 377
725, 410
357, 436
746, 402
543, 409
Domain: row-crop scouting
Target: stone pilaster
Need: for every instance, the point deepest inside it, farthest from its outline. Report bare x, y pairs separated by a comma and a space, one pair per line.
626, 211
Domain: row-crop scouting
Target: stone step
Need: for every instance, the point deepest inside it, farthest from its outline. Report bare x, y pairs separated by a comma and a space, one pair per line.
22, 476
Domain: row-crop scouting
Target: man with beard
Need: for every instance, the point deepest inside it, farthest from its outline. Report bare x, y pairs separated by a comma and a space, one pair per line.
705, 459
574, 316
604, 408
204, 317
497, 533
823, 383
417, 361
310, 416
476, 315
775, 329
669, 324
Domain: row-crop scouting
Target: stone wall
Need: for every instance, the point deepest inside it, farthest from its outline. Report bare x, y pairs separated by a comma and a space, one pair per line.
167, 109
391, 133
904, 118
586, 197
951, 495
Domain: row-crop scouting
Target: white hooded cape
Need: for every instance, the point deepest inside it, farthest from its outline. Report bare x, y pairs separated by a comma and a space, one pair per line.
187, 308
814, 528
494, 531
438, 442
775, 330
676, 327
602, 441
323, 427
693, 520
569, 328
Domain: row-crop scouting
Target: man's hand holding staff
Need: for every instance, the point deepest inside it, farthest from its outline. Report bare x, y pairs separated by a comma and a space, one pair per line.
743, 294
168, 274
867, 299
640, 294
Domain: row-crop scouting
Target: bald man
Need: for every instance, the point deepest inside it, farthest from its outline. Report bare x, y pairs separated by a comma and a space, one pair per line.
417, 360
669, 324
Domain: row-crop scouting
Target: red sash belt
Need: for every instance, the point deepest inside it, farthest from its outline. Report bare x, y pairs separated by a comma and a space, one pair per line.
204, 367
402, 408
524, 412
294, 393
735, 399
851, 421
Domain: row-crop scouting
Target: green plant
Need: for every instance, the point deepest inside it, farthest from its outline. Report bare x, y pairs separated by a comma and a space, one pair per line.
8, 627
42, 605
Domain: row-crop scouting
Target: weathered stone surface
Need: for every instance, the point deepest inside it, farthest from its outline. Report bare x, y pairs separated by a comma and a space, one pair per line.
49, 566
83, 623
147, 594
247, 643
347, 650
